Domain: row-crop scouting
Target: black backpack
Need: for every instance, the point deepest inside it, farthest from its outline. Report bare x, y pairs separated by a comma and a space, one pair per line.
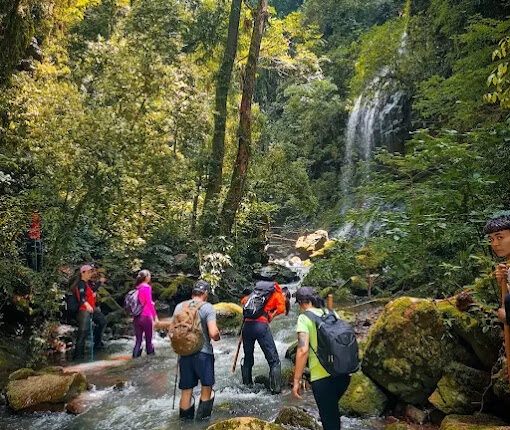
72, 304
337, 347
254, 306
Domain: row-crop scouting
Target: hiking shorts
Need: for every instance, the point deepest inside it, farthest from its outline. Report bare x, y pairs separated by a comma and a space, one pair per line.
194, 368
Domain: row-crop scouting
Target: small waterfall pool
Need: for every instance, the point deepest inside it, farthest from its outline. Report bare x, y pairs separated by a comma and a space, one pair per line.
144, 402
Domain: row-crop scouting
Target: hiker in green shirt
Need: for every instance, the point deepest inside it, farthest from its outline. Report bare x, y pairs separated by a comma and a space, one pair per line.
327, 389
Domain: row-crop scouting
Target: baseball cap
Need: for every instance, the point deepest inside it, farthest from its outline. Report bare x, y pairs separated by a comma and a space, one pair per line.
202, 286
304, 293
85, 268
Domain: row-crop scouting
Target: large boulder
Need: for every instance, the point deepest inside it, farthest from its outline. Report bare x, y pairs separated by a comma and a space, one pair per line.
244, 423
46, 391
411, 345
473, 422
229, 317
310, 243
363, 398
276, 272
460, 390
296, 417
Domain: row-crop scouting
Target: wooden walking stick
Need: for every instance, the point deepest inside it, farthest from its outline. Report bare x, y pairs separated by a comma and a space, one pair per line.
503, 284
175, 381
330, 302
234, 365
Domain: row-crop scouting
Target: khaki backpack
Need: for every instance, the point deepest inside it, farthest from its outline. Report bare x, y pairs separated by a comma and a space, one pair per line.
187, 336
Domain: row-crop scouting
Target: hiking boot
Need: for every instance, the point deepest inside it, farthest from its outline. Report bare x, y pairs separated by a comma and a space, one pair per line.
137, 354
187, 414
275, 376
204, 409
246, 374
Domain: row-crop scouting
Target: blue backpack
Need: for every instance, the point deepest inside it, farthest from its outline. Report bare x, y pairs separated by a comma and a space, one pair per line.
337, 346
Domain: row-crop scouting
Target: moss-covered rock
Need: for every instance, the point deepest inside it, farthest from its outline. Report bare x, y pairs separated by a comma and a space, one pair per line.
473, 422
287, 376
104, 298
409, 347
363, 398
296, 417
290, 354
398, 426
324, 250
229, 317
21, 374
460, 390
245, 423
42, 392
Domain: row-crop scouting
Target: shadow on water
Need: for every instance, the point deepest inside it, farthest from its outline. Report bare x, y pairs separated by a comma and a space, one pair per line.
138, 394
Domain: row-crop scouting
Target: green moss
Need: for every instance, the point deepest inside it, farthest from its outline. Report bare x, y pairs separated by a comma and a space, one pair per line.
244, 423
21, 374
229, 317
473, 422
398, 426
287, 376
362, 398
295, 417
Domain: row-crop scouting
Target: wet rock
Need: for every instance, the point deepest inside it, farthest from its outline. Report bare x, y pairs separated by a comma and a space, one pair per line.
363, 398
276, 272
245, 423
78, 406
310, 243
411, 345
415, 414
44, 392
323, 251
296, 417
287, 376
290, 354
229, 317
473, 422
262, 380
460, 390
399, 426
501, 388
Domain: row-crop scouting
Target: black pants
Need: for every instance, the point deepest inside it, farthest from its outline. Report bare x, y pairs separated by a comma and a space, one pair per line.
260, 332
84, 330
327, 393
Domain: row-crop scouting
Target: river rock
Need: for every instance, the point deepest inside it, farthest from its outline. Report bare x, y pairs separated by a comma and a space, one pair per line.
296, 417
310, 243
229, 317
363, 398
460, 390
49, 391
78, 405
409, 347
276, 272
473, 422
290, 354
244, 423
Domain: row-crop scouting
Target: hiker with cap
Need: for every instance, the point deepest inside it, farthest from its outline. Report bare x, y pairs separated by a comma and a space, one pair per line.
87, 304
333, 358
259, 308
194, 325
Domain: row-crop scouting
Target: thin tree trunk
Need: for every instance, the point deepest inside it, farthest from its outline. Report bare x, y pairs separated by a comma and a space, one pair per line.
214, 181
195, 206
237, 184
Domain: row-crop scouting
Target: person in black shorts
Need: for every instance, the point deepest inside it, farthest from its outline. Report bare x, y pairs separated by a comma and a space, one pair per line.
199, 366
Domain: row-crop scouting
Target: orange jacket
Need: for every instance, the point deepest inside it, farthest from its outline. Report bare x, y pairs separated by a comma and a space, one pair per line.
274, 306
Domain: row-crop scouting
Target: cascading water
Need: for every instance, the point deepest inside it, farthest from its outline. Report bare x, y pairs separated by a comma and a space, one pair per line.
145, 401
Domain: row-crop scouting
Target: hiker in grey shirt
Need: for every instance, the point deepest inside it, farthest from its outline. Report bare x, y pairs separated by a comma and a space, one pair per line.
198, 366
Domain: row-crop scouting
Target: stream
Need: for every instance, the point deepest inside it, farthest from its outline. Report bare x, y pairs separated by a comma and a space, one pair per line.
143, 400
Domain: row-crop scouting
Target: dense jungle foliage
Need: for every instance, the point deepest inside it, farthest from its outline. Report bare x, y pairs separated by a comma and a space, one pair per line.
106, 119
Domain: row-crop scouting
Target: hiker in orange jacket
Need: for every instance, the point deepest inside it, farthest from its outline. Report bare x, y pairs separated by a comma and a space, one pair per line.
257, 329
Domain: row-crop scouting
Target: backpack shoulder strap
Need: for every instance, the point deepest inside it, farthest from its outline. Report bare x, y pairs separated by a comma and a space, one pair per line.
316, 319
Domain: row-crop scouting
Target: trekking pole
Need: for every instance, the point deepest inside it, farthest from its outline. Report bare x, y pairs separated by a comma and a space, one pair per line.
91, 340
175, 382
503, 283
238, 347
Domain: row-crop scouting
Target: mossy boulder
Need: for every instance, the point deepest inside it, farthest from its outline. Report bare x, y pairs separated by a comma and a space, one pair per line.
104, 298
245, 423
473, 422
290, 354
363, 398
287, 376
399, 426
296, 417
460, 390
44, 392
22, 374
276, 272
324, 250
310, 243
409, 347
229, 317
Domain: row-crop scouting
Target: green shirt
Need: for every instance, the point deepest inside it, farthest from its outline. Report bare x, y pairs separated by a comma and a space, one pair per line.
306, 325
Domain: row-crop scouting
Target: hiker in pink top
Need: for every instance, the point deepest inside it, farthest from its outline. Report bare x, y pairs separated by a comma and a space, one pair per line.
143, 323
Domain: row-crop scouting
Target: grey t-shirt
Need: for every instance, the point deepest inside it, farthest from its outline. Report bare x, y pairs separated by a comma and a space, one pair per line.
207, 313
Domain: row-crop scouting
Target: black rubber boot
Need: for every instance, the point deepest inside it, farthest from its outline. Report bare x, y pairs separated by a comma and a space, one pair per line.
204, 409
246, 374
275, 379
137, 354
187, 414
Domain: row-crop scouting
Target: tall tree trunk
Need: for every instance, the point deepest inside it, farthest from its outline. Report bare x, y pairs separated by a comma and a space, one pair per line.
237, 184
214, 181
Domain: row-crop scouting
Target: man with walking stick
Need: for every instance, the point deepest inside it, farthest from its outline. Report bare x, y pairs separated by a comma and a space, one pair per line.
498, 230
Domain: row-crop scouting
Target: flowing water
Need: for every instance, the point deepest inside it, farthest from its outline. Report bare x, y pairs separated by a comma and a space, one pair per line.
145, 401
